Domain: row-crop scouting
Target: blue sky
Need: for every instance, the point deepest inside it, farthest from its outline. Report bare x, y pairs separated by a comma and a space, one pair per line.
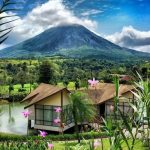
124, 22
111, 15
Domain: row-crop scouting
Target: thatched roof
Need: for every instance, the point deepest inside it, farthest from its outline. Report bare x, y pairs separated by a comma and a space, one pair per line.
105, 91
100, 94
41, 92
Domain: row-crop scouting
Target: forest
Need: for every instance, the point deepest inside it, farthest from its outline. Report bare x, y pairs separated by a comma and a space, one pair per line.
21, 76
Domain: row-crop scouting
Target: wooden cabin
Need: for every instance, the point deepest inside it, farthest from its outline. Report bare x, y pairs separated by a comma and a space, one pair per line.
103, 97
45, 98
42, 103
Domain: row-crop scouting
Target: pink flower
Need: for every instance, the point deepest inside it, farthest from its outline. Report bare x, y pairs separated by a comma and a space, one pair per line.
57, 109
57, 120
26, 113
93, 82
43, 133
96, 144
50, 146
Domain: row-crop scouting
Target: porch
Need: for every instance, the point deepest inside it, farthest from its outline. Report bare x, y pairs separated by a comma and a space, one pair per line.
104, 109
46, 114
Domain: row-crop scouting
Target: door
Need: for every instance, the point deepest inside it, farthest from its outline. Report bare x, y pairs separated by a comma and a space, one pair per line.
102, 110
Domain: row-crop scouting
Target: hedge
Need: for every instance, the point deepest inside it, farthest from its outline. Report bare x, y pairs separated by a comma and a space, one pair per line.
17, 97
60, 137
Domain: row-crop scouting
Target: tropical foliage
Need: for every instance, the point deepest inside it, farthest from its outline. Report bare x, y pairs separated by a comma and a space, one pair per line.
6, 18
82, 110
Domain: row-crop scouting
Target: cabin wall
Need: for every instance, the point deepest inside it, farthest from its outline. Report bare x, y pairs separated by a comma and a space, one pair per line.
123, 104
32, 115
54, 100
127, 96
66, 98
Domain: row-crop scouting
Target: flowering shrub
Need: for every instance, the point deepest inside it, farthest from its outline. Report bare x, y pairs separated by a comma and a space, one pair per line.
32, 145
26, 113
115, 130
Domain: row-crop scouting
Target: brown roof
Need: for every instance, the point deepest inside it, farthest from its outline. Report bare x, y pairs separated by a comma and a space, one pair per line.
105, 91
41, 92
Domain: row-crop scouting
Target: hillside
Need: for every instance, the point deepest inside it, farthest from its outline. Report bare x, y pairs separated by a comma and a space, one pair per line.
71, 41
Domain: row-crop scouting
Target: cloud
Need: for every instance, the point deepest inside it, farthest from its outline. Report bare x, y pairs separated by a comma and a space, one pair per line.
132, 38
78, 3
50, 14
3, 46
91, 12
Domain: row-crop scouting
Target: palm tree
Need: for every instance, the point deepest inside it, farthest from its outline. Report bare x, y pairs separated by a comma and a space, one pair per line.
6, 19
82, 110
5, 7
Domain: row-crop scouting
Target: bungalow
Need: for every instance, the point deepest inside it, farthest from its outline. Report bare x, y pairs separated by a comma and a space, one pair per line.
103, 97
45, 98
43, 101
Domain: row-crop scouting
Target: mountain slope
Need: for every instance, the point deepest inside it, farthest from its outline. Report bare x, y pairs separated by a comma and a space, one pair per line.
69, 40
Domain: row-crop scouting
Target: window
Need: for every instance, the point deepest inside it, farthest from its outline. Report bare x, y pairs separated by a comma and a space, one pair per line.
45, 115
48, 117
39, 115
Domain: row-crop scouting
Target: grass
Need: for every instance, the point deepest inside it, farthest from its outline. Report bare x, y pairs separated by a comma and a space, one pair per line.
61, 145
71, 85
84, 145
4, 89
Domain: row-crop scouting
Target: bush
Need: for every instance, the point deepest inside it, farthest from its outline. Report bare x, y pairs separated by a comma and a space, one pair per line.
21, 90
60, 137
17, 97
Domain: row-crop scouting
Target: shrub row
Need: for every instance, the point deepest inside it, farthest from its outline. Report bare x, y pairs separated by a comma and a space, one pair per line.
60, 137
17, 97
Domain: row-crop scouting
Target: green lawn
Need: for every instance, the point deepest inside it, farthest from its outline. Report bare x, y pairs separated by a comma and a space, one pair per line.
61, 145
85, 145
70, 86
73, 145
4, 89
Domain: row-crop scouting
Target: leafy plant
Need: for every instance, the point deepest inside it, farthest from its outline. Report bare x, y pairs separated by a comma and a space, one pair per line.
6, 18
142, 95
123, 130
82, 110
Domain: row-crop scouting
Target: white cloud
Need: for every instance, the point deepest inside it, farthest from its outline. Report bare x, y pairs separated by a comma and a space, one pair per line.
132, 38
91, 12
3, 46
78, 2
50, 14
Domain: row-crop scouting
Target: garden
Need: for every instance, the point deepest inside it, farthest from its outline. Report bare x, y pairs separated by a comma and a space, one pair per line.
114, 134
119, 131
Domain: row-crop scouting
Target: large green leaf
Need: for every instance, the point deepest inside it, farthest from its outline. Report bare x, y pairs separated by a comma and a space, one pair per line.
7, 6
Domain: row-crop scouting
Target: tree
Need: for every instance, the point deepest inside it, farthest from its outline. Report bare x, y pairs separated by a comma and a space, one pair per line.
144, 72
45, 72
32, 75
77, 84
5, 28
22, 78
3, 77
82, 110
